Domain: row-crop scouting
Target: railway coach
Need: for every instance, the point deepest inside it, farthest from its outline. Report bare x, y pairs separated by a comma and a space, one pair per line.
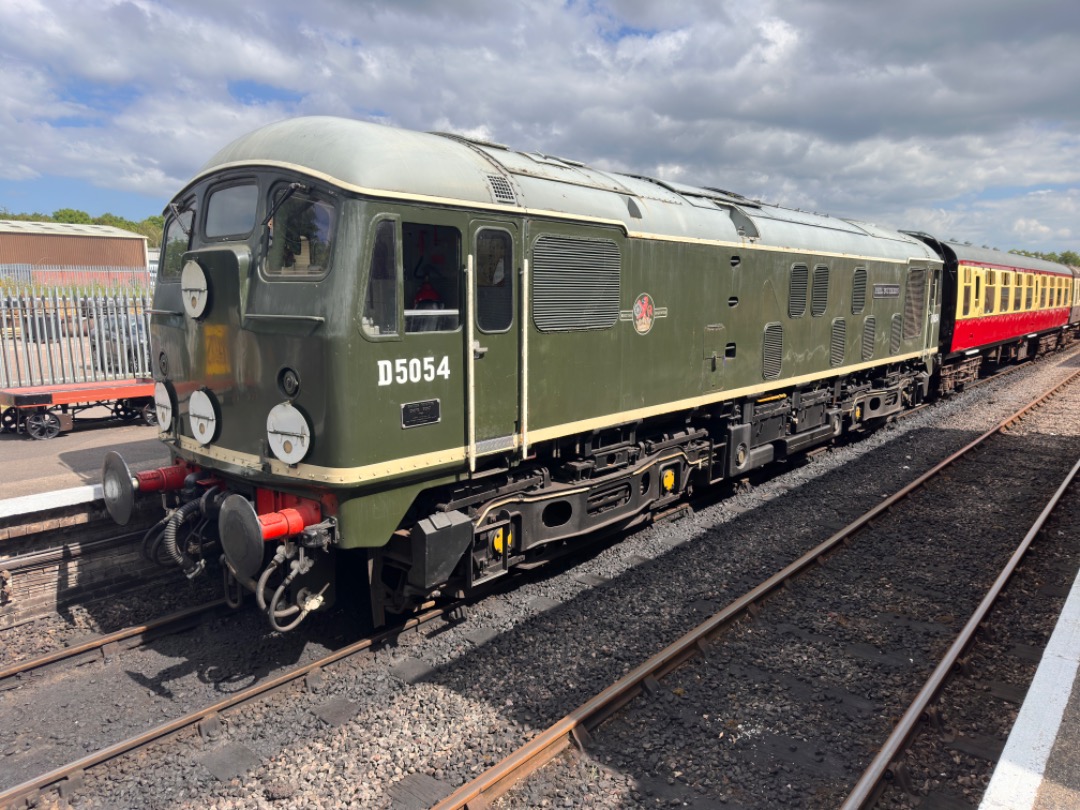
999, 308
400, 364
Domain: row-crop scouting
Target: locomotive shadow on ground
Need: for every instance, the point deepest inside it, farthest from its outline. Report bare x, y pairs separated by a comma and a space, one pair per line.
709, 569
239, 650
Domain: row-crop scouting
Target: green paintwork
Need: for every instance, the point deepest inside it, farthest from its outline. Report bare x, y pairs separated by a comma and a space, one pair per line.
602, 374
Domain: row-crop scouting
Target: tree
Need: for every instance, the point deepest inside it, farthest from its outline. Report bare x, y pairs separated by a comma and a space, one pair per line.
72, 216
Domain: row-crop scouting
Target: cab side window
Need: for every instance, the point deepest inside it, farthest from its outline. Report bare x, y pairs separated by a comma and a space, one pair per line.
381, 300
431, 262
177, 241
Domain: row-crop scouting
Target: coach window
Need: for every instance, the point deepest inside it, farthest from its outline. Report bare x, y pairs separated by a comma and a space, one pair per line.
177, 240
494, 281
230, 211
431, 258
1018, 293
991, 292
967, 291
1030, 298
1006, 283
301, 233
381, 301
1042, 292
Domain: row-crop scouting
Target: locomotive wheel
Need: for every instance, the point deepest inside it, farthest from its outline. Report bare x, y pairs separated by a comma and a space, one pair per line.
44, 425
122, 410
149, 414
9, 420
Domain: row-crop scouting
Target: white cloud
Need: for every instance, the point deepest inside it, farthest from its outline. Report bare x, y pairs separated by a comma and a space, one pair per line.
852, 109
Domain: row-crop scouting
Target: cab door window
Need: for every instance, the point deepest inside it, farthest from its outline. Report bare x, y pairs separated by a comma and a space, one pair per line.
494, 280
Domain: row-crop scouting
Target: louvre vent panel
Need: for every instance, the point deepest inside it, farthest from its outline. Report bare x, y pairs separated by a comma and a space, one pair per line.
838, 344
894, 334
869, 335
820, 295
501, 189
797, 292
858, 291
575, 283
773, 354
914, 303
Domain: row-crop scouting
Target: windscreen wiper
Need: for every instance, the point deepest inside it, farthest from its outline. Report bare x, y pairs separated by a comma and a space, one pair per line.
292, 189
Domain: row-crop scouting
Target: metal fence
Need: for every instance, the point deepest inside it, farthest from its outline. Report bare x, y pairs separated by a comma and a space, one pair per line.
54, 336
79, 277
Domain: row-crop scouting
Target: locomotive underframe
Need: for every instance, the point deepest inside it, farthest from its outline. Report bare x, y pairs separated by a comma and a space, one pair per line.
460, 536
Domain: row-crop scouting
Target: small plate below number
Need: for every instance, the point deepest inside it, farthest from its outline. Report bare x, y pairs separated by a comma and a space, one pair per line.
415, 414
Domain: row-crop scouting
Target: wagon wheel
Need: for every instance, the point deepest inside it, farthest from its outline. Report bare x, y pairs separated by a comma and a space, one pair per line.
122, 410
43, 425
149, 414
9, 420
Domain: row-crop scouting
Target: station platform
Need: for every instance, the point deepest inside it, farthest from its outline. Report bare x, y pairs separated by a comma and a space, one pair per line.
38, 475
1040, 766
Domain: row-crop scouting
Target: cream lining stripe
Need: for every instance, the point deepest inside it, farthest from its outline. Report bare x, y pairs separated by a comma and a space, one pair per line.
424, 198
404, 466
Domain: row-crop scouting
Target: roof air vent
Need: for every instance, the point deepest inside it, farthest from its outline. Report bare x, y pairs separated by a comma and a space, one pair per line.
501, 189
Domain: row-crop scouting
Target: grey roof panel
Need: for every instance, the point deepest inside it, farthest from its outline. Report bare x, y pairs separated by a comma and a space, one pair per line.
397, 161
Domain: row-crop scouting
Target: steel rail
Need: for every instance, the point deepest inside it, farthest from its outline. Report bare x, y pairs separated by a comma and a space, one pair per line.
495, 781
880, 769
147, 631
31, 787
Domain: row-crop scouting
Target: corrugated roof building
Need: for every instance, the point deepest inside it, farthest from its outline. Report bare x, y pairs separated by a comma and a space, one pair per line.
58, 244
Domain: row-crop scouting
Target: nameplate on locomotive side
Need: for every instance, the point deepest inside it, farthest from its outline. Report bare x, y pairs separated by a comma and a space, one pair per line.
886, 291
415, 414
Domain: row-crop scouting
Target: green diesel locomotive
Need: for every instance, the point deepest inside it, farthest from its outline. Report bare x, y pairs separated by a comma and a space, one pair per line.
401, 364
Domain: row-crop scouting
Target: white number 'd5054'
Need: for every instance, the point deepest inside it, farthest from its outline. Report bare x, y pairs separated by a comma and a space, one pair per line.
412, 370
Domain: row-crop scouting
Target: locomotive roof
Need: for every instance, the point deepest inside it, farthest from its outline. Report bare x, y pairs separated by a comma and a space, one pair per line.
387, 161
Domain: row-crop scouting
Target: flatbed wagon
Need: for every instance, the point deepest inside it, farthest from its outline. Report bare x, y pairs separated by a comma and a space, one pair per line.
45, 411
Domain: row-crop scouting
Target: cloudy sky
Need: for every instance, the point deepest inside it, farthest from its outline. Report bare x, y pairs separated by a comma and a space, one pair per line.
959, 117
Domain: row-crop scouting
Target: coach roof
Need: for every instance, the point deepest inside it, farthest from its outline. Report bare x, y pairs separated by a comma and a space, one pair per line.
387, 161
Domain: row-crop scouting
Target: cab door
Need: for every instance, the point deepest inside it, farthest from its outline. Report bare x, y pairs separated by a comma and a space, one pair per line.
493, 353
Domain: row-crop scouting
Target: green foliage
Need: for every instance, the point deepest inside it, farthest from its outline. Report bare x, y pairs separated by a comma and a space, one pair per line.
1069, 257
72, 217
150, 227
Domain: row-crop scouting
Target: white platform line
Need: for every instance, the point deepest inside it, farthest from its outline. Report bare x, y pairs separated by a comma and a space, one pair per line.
30, 504
1019, 773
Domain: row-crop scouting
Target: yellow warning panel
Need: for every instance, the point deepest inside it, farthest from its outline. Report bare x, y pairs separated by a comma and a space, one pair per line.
216, 344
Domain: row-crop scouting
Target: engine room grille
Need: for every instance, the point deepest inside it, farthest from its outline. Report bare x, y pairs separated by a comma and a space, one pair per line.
575, 283
773, 354
501, 189
869, 335
894, 334
796, 307
858, 291
838, 344
819, 301
914, 303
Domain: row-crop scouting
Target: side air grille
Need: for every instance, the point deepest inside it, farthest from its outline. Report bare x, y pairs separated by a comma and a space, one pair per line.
819, 301
894, 334
838, 344
773, 354
858, 291
501, 189
914, 303
575, 283
797, 291
869, 335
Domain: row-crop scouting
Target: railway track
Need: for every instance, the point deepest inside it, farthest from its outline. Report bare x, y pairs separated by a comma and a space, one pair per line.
110, 643
581, 727
75, 774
